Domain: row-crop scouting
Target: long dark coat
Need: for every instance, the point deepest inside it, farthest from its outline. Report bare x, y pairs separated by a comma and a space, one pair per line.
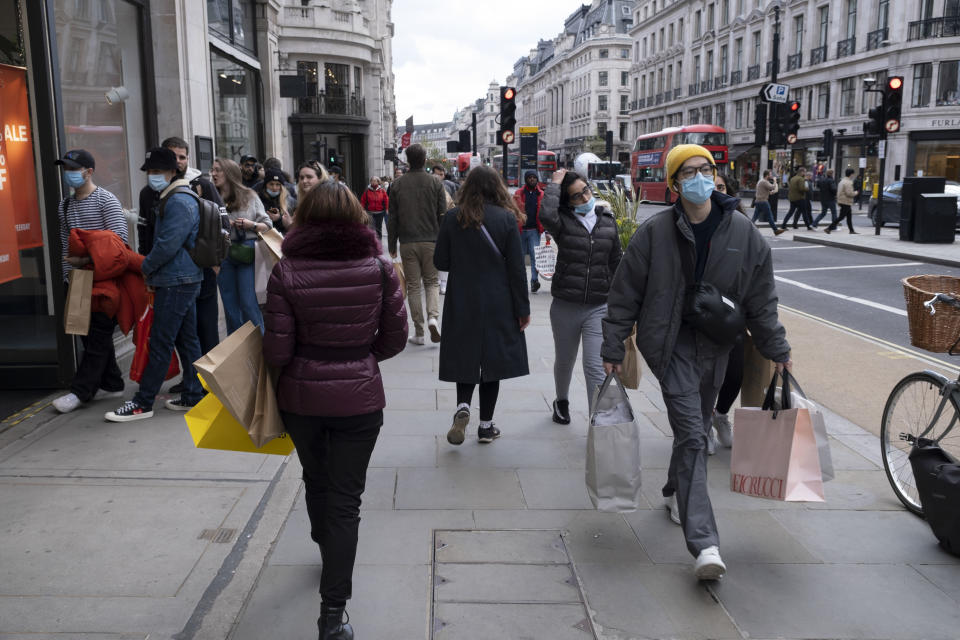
486, 295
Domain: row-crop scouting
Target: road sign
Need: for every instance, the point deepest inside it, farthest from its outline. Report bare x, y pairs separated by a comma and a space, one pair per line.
791, 139
892, 126
524, 130
508, 137
772, 92
529, 143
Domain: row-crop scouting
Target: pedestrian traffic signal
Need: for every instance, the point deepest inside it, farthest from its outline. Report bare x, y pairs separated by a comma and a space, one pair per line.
778, 133
760, 124
892, 101
332, 157
828, 142
508, 113
792, 121
875, 119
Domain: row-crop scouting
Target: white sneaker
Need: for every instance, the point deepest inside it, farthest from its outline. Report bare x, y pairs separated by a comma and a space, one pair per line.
416, 340
708, 565
434, 328
67, 403
671, 505
103, 394
711, 442
721, 422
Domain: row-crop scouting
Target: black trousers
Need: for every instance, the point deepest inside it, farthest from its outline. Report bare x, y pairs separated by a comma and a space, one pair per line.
846, 211
208, 313
335, 453
98, 366
376, 221
732, 379
798, 208
489, 392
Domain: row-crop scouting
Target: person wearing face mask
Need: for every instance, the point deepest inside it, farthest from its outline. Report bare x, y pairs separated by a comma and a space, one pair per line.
375, 202
703, 233
93, 208
588, 253
175, 278
277, 200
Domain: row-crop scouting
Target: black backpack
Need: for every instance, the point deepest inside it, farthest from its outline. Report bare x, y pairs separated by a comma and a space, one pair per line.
213, 234
938, 485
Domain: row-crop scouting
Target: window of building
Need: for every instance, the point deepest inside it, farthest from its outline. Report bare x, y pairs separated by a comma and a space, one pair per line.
311, 72
603, 78
798, 34
848, 96
948, 83
623, 131
662, 41
926, 9
670, 35
720, 113
823, 101
235, 107
883, 14
358, 81
680, 30
604, 53
738, 54
644, 47
624, 75
660, 81
696, 24
851, 18
757, 43
724, 62
669, 77
601, 129
623, 103
823, 18
922, 79
739, 7
710, 17
696, 69
601, 103
706, 115
724, 12
738, 114
625, 54
872, 99
232, 20
680, 74
709, 65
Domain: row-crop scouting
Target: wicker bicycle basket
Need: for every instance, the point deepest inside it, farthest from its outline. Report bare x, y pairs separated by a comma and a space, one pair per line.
935, 332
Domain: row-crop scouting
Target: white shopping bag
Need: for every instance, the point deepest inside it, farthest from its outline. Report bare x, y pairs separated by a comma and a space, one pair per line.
613, 450
799, 400
545, 257
264, 259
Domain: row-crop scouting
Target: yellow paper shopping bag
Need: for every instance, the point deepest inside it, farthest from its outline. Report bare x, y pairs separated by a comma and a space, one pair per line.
212, 427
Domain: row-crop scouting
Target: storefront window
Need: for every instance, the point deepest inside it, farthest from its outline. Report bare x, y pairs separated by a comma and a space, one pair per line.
848, 96
99, 49
938, 158
233, 20
947, 84
235, 100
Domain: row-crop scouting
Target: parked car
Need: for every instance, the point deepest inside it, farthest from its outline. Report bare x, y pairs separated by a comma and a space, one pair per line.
891, 202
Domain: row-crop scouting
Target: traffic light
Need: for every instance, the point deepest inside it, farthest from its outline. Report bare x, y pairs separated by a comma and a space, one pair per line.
828, 142
792, 124
893, 101
874, 125
760, 124
331, 157
508, 113
778, 136
464, 145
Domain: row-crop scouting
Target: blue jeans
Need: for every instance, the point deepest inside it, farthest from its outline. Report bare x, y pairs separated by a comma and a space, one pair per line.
762, 208
174, 323
529, 239
825, 206
237, 290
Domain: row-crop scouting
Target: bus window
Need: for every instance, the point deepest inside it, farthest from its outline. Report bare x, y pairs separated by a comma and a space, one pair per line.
703, 139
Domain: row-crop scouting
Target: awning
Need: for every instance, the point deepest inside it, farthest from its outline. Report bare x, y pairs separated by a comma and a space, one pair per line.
737, 150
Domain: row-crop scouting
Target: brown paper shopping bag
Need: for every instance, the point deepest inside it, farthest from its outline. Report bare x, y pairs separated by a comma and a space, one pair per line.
76, 312
757, 371
630, 371
232, 371
273, 240
267, 423
775, 453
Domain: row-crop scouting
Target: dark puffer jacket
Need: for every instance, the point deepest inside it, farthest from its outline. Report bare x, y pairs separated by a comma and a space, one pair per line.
586, 261
332, 313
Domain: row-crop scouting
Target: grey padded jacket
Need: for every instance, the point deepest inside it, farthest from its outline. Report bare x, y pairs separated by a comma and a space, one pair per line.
648, 288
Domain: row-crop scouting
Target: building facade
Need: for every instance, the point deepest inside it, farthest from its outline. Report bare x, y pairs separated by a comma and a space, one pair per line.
704, 61
576, 87
116, 77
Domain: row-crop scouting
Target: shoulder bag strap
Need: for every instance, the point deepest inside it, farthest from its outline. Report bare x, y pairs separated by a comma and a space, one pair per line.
486, 234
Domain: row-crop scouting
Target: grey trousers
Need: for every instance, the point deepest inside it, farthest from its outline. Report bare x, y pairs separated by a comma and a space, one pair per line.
689, 386
572, 324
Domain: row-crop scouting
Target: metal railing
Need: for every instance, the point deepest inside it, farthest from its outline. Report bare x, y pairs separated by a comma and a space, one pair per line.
769, 68
677, 93
339, 105
720, 82
794, 61
945, 27
693, 89
818, 55
735, 77
753, 72
658, 99
847, 47
875, 39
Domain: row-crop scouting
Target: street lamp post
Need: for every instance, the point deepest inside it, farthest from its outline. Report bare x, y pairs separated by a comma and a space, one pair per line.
881, 137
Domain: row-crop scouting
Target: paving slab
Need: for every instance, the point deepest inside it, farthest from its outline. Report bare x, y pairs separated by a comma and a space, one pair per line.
554, 488
486, 546
837, 601
945, 577
845, 457
634, 600
509, 452
866, 537
858, 490
411, 399
594, 536
525, 518
509, 400
458, 488
457, 621
517, 584
404, 451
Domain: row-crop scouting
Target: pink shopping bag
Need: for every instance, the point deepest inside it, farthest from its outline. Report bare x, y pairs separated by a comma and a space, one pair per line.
775, 452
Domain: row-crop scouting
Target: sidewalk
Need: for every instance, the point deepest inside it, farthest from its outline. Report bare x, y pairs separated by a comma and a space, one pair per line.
126, 531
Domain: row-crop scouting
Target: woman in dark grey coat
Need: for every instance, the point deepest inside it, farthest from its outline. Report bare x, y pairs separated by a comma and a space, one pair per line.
486, 307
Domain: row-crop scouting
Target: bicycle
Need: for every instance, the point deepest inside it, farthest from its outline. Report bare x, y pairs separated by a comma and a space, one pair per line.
920, 407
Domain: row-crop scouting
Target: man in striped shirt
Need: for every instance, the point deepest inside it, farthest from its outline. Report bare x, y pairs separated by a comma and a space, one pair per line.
93, 208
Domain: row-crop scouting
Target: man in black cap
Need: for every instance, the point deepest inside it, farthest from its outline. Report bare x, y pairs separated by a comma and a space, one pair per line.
175, 278
250, 167
93, 208
336, 173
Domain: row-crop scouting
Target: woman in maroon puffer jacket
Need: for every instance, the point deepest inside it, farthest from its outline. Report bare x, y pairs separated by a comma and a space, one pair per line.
334, 310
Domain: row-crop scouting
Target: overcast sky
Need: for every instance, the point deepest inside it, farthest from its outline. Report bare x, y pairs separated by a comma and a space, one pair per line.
446, 53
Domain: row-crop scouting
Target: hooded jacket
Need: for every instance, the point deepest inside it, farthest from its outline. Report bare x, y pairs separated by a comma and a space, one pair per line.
375, 200
334, 310
520, 198
648, 289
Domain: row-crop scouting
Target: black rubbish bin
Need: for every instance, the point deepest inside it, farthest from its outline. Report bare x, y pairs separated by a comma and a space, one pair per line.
935, 217
913, 186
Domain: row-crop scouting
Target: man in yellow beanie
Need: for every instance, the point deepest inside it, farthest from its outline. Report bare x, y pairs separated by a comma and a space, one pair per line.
701, 240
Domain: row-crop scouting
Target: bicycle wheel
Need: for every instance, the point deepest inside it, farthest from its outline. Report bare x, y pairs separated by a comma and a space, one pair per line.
907, 415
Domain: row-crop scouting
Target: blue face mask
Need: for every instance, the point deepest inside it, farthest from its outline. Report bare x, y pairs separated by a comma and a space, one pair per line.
586, 207
74, 178
272, 193
697, 189
157, 182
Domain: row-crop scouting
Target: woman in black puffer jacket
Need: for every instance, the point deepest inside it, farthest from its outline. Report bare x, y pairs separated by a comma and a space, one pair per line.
589, 252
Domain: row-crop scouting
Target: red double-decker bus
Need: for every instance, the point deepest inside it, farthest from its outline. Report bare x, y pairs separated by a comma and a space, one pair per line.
546, 165
648, 160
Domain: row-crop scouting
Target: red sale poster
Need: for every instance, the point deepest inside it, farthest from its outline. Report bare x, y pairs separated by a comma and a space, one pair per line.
9, 251
18, 178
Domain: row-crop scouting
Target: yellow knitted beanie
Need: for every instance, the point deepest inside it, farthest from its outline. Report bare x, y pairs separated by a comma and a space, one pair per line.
680, 154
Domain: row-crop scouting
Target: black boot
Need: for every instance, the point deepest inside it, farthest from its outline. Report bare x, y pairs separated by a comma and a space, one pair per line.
561, 411
331, 624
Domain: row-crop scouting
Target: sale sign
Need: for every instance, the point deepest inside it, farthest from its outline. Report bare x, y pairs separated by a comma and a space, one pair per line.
18, 178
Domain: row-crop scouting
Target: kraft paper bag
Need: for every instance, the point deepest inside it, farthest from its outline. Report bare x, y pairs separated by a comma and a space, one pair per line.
613, 450
757, 371
263, 261
212, 427
267, 423
775, 453
630, 372
799, 400
273, 241
232, 371
398, 268
76, 312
